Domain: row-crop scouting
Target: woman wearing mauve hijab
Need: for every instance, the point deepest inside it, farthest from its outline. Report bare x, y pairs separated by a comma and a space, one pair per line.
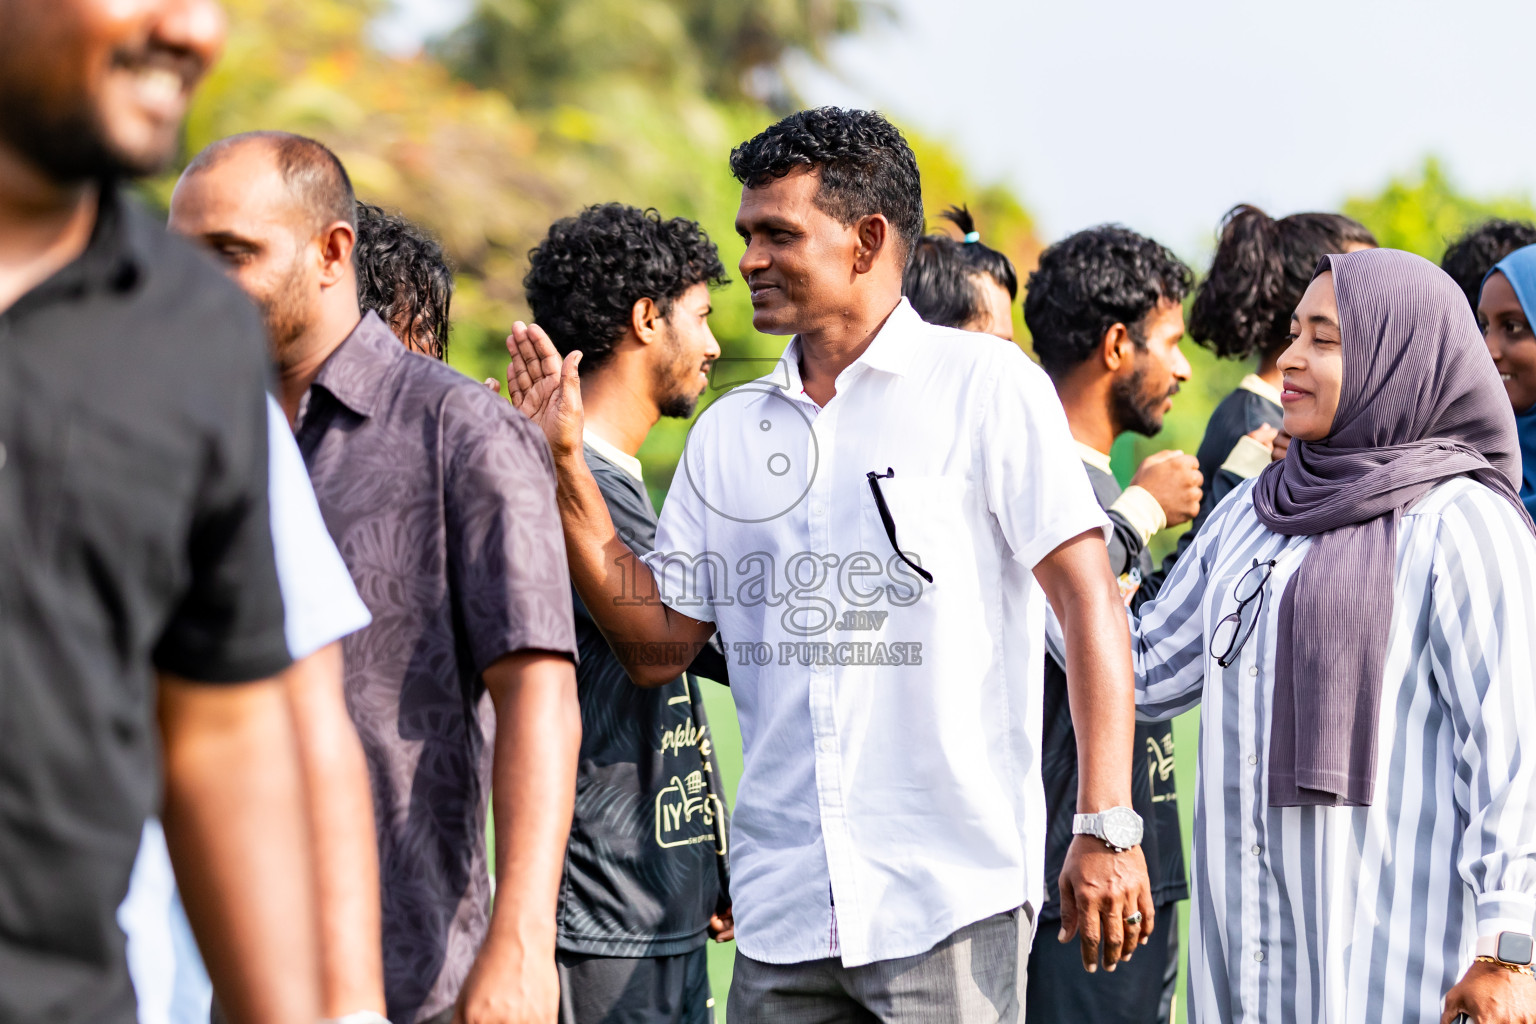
1359, 624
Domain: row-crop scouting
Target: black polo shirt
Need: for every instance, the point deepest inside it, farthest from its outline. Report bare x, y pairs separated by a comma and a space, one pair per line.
134, 537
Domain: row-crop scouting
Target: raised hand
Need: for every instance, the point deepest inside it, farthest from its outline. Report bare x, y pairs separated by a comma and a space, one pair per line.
1174, 479
545, 389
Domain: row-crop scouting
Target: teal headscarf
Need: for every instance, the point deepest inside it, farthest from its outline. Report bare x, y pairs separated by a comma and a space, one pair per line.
1520, 268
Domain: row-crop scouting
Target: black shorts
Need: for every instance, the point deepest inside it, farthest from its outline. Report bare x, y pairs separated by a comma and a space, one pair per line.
1140, 992
638, 990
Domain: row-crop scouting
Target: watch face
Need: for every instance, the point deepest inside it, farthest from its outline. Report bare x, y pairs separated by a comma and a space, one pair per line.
1514, 948
1122, 827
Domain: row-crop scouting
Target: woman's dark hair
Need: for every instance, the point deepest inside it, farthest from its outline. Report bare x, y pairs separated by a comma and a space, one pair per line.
939, 279
403, 276
1088, 282
865, 164
1261, 268
1471, 256
586, 276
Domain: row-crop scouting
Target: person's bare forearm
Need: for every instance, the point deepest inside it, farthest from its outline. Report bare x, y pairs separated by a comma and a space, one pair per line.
235, 825
533, 791
345, 849
1100, 686
1102, 695
654, 643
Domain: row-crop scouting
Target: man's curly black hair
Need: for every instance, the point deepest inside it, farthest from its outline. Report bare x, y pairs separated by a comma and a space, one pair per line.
1471, 256
403, 276
585, 277
865, 164
1090, 281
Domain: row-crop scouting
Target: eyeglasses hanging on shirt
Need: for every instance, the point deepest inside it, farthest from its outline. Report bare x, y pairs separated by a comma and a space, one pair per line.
889, 523
1232, 632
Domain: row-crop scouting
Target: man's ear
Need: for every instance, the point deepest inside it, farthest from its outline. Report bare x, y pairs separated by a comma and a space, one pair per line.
874, 235
336, 244
1115, 349
645, 320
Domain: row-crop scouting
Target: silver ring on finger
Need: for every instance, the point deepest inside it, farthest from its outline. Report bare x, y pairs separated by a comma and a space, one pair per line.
1133, 918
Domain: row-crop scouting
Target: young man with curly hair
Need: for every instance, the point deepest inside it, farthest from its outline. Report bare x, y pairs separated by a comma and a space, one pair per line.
890, 821
645, 880
1105, 313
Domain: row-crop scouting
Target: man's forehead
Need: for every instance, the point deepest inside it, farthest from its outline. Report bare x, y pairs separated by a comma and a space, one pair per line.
792, 195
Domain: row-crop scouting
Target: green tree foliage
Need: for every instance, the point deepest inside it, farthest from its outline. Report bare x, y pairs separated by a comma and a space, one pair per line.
549, 52
1424, 213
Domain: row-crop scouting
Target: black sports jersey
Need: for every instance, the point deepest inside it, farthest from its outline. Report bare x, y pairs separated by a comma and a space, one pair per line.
645, 867
1153, 795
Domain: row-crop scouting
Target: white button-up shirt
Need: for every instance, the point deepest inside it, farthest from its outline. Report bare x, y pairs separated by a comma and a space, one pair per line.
891, 725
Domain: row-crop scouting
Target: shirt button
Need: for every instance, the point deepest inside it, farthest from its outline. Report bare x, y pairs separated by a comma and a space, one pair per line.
1259, 956
827, 744
1253, 758
1253, 671
1257, 849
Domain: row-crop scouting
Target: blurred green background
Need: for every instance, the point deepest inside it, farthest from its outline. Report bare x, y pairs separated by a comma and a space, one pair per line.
535, 108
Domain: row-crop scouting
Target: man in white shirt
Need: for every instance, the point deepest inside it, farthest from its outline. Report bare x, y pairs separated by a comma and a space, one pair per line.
889, 833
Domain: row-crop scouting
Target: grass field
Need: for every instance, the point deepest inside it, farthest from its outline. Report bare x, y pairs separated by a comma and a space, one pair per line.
727, 737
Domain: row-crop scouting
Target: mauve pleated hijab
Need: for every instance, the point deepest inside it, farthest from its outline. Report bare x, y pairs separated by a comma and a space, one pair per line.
1421, 403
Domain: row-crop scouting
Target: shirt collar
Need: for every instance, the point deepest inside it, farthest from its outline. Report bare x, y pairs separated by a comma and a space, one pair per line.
611, 452
889, 351
355, 373
1091, 455
1261, 387
116, 256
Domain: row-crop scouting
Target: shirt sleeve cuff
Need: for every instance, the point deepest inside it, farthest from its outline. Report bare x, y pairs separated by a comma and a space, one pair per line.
1141, 510
1505, 911
1247, 458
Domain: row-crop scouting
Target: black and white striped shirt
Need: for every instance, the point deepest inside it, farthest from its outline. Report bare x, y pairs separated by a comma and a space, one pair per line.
1340, 915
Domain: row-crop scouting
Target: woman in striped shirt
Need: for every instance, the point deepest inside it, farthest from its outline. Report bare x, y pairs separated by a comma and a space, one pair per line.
1357, 623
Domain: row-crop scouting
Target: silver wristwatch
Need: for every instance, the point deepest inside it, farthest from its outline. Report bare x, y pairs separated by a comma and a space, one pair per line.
1119, 827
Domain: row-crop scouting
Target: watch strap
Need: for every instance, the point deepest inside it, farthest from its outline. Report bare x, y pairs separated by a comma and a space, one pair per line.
1088, 825
1488, 946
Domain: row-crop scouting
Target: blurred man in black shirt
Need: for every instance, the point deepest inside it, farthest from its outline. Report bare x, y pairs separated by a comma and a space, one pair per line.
645, 881
1105, 311
140, 615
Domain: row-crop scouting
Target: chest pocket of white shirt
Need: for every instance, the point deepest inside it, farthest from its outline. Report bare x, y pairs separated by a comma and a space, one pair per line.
928, 513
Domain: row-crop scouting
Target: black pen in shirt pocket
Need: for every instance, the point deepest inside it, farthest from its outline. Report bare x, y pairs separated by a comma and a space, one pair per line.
890, 523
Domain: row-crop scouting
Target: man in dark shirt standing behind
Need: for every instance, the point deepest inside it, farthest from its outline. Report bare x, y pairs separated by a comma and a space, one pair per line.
1105, 312
441, 499
135, 548
645, 867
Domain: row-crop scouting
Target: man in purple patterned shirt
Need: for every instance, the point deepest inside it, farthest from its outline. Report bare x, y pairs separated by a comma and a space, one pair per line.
441, 499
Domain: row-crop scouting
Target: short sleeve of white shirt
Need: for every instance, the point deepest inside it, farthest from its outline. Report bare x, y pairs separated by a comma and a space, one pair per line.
681, 562
320, 602
1034, 480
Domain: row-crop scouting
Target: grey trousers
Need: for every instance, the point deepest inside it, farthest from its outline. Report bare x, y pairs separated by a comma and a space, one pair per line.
976, 976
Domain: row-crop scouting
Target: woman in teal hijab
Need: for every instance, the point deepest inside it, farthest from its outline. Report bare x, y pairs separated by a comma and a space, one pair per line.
1505, 310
